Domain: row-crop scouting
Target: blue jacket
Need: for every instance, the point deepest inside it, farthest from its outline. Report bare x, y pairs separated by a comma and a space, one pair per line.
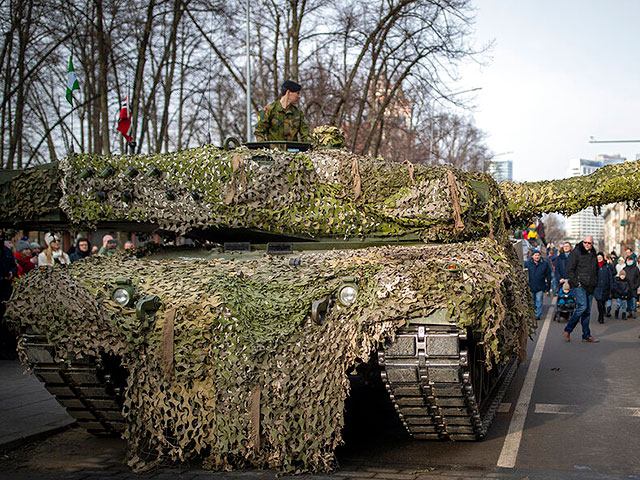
566, 298
560, 264
539, 275
605, 283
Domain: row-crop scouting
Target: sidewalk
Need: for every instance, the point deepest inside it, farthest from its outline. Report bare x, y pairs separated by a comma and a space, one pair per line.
27, 410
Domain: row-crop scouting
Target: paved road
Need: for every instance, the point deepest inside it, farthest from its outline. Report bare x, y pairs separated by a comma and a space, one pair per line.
581, 421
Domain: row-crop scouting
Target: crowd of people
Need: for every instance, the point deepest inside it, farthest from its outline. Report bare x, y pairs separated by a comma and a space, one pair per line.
578, 275
29, 255
22, 256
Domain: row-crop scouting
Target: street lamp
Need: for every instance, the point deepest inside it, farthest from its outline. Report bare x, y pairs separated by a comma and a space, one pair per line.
593, 140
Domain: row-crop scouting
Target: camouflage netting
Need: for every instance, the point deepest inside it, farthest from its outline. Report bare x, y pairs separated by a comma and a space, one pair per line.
610, 184
31, 193
325, 192
322, 193
231, 368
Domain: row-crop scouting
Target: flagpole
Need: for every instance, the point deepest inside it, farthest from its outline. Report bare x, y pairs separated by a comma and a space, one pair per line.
132, 144
209, 141
71, 142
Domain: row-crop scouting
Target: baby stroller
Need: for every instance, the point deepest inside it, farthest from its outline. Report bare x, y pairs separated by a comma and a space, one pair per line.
565, 306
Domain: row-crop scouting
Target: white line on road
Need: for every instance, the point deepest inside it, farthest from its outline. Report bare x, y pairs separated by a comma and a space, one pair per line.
557, 409
512, 441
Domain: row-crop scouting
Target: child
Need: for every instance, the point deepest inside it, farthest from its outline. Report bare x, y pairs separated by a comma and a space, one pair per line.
565, 296
621, 291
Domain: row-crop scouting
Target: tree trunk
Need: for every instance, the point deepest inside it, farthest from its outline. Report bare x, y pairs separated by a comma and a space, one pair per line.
103, 60
138, 80
171, 65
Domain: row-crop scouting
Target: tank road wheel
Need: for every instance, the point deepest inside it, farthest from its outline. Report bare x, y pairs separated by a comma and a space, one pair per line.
482, 379
479, 374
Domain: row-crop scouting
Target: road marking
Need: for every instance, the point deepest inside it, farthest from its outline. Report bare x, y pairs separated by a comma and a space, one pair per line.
556, 409
511, 445
559, 409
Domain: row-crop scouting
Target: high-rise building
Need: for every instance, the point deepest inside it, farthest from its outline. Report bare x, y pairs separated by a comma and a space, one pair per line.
585, 222
501, 170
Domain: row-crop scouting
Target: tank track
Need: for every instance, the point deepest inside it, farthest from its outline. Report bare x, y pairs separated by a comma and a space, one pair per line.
439, 384
86, 387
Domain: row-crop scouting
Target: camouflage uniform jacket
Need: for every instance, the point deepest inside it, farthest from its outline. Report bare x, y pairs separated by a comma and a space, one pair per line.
276, 123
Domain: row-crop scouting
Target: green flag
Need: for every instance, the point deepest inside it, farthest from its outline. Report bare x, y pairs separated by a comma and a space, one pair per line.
72, 81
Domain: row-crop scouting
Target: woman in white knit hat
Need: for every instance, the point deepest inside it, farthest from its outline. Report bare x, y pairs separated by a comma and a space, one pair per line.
53, 253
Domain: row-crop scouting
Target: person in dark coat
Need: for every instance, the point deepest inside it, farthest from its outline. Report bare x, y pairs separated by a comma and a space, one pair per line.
633, 277
602, 292
621, 292
82, 250
612, 262
8, 271
539, 279
560, 265
582, 272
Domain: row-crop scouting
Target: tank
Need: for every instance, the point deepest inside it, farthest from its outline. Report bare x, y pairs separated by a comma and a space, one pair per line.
308, 266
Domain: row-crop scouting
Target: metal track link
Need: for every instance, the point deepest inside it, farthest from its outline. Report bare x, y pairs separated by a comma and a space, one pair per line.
426, 372
82, 386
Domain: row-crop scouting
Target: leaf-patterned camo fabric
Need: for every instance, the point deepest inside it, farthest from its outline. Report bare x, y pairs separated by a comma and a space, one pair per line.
322, 193
254, 381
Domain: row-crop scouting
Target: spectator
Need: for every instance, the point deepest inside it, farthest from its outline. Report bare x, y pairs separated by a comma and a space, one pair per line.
94, 250
8, 271
582, 273
560, 264
108, 246
539, 279
53, 254
621, 292
23, 257
629, 253
82, 250
565, 295
128, 245
612, 260
620, 265
603, 287
35, 251
633, 277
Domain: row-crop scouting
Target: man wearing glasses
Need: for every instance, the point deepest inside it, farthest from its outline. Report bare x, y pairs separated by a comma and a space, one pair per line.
582, 272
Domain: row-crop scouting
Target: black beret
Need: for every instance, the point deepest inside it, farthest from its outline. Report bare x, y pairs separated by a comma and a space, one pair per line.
291, 86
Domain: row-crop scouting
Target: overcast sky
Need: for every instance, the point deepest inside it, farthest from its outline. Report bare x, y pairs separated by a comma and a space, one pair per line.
559, 72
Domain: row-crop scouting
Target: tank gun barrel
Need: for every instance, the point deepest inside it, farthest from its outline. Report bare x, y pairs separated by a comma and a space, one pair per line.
610, 184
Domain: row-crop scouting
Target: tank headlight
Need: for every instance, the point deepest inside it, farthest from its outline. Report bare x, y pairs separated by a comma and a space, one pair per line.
123, 293
122, 296
348, 291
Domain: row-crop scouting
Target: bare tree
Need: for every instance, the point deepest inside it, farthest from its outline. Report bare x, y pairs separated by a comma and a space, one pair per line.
371, 68
554, 228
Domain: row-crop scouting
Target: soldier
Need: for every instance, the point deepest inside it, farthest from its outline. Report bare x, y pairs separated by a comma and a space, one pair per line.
282, 119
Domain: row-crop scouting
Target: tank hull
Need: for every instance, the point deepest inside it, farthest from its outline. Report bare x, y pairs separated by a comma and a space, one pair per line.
245, 359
